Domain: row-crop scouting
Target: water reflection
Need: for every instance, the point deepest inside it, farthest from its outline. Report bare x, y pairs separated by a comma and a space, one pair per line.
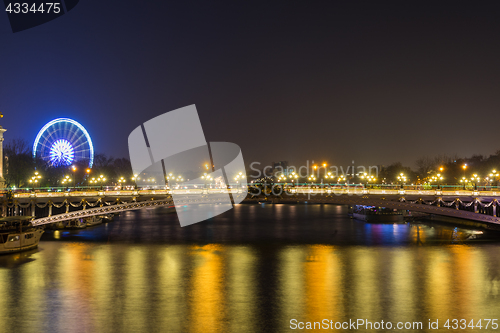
123, 285
215, 287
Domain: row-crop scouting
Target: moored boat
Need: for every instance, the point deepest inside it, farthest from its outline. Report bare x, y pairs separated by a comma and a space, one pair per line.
375, 214
56, 225
17, 234
76, 224
93, 220
108, 217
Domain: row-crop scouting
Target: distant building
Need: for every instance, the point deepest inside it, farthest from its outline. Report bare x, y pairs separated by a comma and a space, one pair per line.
281, 167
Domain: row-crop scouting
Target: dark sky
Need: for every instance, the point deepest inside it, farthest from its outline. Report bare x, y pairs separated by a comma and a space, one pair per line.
293, 80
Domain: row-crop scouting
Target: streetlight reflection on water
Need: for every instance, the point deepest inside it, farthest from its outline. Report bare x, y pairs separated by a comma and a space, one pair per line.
193, 281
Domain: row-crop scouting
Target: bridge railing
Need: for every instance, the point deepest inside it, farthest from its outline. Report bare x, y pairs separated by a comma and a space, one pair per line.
304, 188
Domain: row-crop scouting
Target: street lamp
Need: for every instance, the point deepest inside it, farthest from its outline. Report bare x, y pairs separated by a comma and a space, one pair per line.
402, 179
324, 166
282, 177
464, 181
74, 178
311, 178
438, 178
464, 167
475, 178
493, 175
121, 181
135, 181
35, 179
293, 176
239, 176
368, 178
101, 180
206, 178
329, 176
66, 180
88, 174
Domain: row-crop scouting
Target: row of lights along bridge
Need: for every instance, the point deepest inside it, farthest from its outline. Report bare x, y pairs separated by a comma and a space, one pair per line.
293, 177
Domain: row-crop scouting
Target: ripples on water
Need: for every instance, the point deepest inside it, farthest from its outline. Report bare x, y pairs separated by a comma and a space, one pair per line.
251, 269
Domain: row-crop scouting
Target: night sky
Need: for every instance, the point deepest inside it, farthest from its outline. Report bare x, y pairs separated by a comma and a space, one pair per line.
295, 80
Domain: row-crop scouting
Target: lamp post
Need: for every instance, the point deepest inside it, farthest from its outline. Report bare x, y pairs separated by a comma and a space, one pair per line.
294, 177
239, 176
206, 178
282, 178
494, 175
135, 181
101, 180
367, 178
74, 178
475, 178
35, 179
402, 179
121, 181
322, 179
66, 180
464, 167
464, 181
88, 174
311, 178
329, 175
438, 178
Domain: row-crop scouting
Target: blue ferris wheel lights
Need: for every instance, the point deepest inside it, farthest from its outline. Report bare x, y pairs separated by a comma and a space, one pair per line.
82, 148
61, 153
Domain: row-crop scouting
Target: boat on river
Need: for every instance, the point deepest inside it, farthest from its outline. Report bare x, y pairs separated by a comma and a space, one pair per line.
76, 224
17, 234
375, 214
93, 220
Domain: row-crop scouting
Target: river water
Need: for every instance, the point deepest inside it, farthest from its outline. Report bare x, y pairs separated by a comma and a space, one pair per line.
255, 268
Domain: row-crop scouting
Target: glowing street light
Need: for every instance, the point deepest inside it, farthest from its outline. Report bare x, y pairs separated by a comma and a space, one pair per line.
87, 171
438, 178
475, 178
368, 178
177, 179
206, 178
135, 180
402, 179
465, 181
35, 179
101, 180
66, 180
329, 175
74, 178
493, 176
240, 176
121, 181
282, 178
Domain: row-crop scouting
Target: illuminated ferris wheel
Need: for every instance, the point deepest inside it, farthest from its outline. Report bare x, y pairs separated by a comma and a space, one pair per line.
62, 142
